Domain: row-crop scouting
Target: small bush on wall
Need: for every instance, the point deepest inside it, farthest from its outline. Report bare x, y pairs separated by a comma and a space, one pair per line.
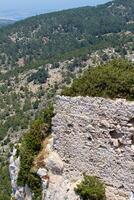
91, 188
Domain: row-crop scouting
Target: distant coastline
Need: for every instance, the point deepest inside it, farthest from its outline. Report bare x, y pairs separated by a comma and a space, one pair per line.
16, 14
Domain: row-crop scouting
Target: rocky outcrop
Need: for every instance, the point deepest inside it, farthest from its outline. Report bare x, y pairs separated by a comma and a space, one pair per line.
89, 135
18, 193
54, 163
55, 186
43, 174
95, 136
132, 196
60, 188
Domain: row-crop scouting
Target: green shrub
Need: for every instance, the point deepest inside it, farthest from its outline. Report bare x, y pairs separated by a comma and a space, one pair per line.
34, 183
36, 105
39, 77
114, 79
5, 182
30, 146
48, 114
91, 188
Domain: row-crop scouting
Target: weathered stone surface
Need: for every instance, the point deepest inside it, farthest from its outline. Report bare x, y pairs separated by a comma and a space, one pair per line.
54, 163
60, 189
55, 186
92, 135
18, 193
132, 196
42, 172
95, 135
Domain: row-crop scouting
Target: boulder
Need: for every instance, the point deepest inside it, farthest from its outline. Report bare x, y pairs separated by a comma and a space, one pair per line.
54, 163
42, 172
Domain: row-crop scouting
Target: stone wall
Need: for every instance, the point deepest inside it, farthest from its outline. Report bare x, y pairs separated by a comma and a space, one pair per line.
96, 136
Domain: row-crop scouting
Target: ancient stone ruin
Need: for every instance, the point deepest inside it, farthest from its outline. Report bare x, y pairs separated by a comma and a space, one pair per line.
96, 136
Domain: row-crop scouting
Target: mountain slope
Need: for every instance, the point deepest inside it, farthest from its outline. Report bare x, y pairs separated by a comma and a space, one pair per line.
41, 54
48, 35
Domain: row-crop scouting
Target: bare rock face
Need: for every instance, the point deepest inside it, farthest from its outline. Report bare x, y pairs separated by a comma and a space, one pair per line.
89, 135
95, 136
132, 196
55, 186
54, 163
42, 172
18, 193
60, 189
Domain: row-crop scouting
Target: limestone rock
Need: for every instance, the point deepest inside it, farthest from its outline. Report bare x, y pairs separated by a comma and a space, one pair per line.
18, 193
89, 135
94, 135
132, 196
54, 163
60, 189
42, 172
27, 193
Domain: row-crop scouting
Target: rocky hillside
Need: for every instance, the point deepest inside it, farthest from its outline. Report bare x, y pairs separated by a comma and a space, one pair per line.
41, 55
90, 135
50, 35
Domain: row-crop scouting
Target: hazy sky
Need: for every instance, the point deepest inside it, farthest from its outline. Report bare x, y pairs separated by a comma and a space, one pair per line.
14, 7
